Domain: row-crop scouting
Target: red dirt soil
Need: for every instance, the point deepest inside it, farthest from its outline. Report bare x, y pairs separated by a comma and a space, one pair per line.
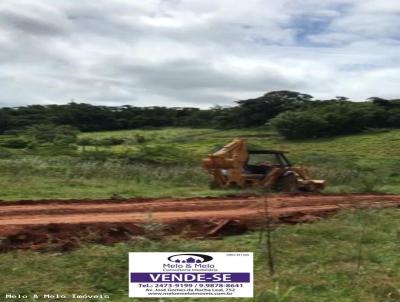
65, 224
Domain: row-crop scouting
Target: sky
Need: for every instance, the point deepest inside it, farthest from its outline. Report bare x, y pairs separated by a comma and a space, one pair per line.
197, 53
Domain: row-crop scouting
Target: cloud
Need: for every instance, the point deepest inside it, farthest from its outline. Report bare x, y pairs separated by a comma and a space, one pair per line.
195, 53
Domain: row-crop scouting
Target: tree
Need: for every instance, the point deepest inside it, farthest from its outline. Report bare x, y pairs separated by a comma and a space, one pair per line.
329, 119
256, 112
394, 118
4, 122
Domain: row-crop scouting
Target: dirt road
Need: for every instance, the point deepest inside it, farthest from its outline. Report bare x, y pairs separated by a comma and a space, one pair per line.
64, 224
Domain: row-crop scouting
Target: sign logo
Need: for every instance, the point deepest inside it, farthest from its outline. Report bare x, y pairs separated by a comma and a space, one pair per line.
190, 258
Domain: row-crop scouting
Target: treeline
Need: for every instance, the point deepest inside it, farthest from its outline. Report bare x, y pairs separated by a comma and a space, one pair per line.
338, 117
293, 114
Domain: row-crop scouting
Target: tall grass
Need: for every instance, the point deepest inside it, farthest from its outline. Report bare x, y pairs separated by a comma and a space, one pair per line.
346, 174
28, 176
25, 177
70, 168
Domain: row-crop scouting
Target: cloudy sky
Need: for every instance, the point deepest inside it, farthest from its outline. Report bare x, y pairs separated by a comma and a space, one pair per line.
196, 52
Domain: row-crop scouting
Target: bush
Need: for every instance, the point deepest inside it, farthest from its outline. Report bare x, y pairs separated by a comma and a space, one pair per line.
110, 141
294, 125
85, 141
15, 143
140, 139
52, 134
163, 154
4, 153
101, 156
329, 119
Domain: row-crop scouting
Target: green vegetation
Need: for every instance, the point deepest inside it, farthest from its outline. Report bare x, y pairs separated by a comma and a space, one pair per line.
293, 114
352, 256
167, 163
328, 119
314, 262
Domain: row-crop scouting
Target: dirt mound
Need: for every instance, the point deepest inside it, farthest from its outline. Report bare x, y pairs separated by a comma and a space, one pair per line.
65, 224
65, 237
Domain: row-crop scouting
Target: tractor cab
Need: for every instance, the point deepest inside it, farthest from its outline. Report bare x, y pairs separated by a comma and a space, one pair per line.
261, 162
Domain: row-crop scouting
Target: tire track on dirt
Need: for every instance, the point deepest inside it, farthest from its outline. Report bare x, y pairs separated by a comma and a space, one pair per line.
47, 223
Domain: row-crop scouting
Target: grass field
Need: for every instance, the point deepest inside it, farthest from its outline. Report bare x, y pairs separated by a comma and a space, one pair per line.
167, 164
352, 256
371, 145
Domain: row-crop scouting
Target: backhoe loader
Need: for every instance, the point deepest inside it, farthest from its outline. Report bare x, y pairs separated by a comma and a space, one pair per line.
235, 166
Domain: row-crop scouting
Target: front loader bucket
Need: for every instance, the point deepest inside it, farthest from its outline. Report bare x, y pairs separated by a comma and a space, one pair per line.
314, 185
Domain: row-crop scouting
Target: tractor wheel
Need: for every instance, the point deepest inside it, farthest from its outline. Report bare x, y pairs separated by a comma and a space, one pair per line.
288, 184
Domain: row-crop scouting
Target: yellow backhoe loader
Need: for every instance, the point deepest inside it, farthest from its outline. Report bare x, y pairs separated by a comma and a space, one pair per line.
235, 166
